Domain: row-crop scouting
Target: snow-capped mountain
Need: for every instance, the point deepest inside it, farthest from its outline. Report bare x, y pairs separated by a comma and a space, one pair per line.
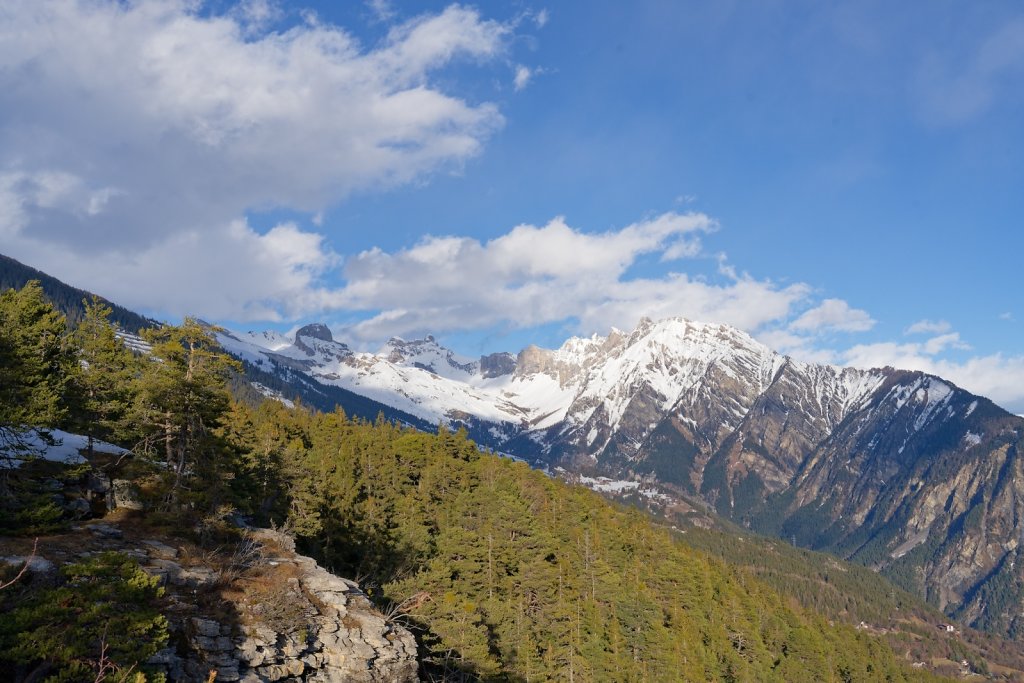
885, 466
592, 397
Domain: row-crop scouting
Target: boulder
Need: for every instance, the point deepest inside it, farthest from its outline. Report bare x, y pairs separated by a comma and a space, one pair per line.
126, 495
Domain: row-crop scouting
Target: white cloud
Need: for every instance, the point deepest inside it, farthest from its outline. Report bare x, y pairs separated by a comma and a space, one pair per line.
128, 128
1007, 315
541, 18
256, 15
928, 327
682, 248
522, 77
833, 315
940, 343
797, 346
536, 275
271, 276
383, 10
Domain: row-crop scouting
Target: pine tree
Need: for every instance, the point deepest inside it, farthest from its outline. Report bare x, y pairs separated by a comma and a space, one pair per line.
36, 364
183, 396
102, 389
105, 612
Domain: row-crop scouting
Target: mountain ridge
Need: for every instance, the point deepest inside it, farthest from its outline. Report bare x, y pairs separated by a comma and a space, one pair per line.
869, 464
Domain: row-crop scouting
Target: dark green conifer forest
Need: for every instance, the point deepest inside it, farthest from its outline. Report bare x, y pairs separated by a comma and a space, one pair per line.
502, 572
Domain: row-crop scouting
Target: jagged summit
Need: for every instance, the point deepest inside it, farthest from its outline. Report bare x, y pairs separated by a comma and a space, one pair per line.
315, 331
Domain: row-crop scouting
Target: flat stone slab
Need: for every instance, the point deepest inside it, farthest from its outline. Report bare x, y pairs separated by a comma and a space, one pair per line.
160, 550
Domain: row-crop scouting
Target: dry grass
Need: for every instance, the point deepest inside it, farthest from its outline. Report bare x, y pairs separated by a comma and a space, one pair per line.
271, 597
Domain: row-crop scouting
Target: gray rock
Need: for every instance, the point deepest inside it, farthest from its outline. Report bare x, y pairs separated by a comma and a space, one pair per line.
160, 550
314, 661
292, 650
278, 538
269, 648
221, 659
295, 667
79, 507
228, 673
36, 564
195, 577
126, 495
274, 672
205, 627
208, 644
105, 530
251, 654
163, 657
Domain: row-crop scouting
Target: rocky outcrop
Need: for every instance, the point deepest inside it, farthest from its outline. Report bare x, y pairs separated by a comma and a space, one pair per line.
497, 365
292, 621
316, 331
251, 611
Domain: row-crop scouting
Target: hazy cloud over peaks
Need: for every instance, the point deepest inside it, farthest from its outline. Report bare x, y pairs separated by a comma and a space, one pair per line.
541, 274
833, 314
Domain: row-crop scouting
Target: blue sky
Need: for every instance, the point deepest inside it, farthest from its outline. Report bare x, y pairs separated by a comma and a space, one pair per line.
842, 180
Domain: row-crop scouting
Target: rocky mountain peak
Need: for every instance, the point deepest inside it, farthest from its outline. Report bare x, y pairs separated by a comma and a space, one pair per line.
534, 359
316, 342
497, 364
398, 349
316, 331
428, 355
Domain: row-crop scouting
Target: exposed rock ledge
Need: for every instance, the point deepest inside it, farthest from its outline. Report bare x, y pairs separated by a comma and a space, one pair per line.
260, 612
297, 621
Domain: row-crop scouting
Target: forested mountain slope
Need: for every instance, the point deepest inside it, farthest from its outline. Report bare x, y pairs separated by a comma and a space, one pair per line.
67, 299
516, 575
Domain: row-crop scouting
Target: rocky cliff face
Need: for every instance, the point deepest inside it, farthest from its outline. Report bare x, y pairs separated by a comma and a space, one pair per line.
296, 621
260, 612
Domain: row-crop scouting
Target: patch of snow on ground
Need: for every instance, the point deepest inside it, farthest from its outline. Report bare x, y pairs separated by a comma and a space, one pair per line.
606, 485
134, 342
936, 394
270, 393
656, 495
972, 439
241, 349
66, 448
269, 340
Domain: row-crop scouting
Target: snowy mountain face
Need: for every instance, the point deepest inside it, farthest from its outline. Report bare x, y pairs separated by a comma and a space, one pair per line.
883, 466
